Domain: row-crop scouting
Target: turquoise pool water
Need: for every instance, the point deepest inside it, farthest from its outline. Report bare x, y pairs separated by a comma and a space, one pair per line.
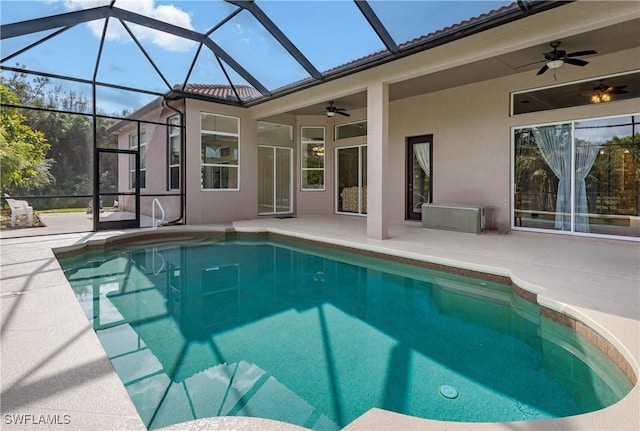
318, 337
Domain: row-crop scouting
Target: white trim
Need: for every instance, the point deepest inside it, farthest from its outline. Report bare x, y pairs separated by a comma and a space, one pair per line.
226, 165
291, 179
336, 181
324, 159
288, 126
139, 148
564, 84
595, 78
171, 134
335, 129
571, 232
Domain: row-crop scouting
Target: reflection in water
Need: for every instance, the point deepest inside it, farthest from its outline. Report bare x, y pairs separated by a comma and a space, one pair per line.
261, 329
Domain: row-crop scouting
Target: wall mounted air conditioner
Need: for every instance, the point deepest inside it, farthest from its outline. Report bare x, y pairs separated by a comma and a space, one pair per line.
455, 217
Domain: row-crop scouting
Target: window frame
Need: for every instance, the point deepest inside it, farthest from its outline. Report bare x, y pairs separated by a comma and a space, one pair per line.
362, 180
577, 87
173, 130
303, 169
275, 149
573, 231
140, 145
226, 165
351, 123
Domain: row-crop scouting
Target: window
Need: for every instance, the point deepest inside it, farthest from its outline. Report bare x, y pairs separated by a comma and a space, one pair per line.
602, 90
275, 131
312, 158
219, 137
579, 177
174, 153
133, 145
351, 130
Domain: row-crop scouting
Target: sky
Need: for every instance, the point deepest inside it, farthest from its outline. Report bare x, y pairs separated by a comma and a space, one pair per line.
329, 33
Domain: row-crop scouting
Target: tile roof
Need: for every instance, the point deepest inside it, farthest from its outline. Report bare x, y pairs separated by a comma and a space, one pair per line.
222, 91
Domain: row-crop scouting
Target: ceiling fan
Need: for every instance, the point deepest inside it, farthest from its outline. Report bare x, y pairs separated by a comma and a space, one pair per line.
602, 93
611, 89
556, 58
332, 110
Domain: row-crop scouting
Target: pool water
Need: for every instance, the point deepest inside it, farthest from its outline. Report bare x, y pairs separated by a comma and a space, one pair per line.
318, 337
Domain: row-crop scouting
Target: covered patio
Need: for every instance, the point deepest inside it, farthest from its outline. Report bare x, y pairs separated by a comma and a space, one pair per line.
55, 365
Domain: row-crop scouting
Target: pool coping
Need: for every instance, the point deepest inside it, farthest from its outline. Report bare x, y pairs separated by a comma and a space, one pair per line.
615, 417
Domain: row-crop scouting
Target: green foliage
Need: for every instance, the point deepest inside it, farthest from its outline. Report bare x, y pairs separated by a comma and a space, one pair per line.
23, 162
67, 153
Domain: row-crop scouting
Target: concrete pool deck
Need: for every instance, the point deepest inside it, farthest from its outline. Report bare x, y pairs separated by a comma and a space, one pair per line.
53, 367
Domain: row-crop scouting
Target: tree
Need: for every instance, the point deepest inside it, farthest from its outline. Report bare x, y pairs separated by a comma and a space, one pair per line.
23, 162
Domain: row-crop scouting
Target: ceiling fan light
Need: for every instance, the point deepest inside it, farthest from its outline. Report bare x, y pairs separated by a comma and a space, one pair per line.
554, 64
598, 97
330, 113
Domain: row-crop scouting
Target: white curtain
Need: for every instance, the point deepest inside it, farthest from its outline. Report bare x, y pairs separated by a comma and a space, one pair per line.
586, 154
589, 140
421, 152
554, 143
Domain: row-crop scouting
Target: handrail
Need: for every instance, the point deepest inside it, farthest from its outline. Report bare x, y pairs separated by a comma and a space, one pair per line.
153, 261
153, 213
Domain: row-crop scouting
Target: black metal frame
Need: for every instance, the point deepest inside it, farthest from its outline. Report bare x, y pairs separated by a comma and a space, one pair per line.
120, 224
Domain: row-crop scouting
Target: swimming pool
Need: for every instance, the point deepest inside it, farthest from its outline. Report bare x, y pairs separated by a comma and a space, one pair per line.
317, 338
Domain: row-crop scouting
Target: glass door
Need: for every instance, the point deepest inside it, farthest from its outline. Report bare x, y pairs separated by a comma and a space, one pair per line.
275, 185
351, 181
118, 206
419, 168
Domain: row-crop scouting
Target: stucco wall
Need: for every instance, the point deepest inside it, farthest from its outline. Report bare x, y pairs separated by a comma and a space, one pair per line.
156, 165
211, 206
470, 146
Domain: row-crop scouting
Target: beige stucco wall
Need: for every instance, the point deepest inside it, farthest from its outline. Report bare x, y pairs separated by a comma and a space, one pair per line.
156, 164
471, 129
211, 206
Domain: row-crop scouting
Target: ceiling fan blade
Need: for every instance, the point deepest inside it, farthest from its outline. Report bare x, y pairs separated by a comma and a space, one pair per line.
576, 61
542, 70
617, 91
582, 53
616, 87
343, 113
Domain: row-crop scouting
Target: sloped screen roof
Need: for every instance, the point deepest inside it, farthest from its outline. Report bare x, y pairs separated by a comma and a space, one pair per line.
238, 52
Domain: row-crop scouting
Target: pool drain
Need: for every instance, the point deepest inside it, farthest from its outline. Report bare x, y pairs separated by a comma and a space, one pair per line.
448, 391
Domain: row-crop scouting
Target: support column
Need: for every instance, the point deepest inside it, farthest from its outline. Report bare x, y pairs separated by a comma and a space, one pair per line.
377, 159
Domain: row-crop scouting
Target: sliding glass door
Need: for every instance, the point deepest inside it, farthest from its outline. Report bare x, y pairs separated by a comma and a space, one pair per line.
351, 180
275, 185
580, 177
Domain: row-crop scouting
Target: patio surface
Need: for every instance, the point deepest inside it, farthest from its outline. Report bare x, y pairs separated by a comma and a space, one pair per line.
53, 364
